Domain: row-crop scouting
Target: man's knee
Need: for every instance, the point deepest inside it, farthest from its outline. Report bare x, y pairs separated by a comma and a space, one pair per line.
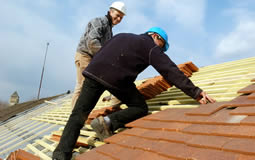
144, 109
78, 118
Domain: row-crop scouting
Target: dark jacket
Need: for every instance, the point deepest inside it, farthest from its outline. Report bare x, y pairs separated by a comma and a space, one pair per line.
121, 59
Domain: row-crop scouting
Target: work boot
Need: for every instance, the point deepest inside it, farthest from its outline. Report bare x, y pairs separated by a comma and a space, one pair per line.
101, 128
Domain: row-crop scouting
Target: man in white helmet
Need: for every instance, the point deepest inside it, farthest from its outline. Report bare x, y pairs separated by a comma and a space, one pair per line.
97, 32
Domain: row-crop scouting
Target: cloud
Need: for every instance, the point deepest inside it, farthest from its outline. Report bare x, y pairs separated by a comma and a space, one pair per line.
240, 41
86, 11
189, 14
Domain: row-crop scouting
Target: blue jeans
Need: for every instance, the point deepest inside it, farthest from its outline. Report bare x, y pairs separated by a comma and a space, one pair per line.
91, 92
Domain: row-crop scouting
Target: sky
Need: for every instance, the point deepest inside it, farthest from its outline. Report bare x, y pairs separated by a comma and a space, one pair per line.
205, 32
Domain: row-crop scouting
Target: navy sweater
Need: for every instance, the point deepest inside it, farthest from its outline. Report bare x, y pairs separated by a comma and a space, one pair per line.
122, 58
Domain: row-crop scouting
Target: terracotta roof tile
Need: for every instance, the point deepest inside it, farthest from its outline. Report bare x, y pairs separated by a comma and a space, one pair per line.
241, 101
176, 137
246, 157
191, 66
170, 115
243, 146
206, 110
150, 156
250, 111
223, 117
22, 155
173, 150
235, 131
176, 115
158, 125
167, 113
119, 152
93, 155
185, 69
250, 120
209, 154
251, 96
200, 129
204, 141
248, 89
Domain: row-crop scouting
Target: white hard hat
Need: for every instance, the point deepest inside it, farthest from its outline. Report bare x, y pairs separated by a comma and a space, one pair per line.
120, 6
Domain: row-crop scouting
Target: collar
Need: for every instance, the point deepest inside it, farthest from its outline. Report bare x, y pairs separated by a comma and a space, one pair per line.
108, 16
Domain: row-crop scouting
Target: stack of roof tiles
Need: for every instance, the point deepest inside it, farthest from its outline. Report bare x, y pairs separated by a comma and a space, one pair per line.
219, 131
187, 68
154, 86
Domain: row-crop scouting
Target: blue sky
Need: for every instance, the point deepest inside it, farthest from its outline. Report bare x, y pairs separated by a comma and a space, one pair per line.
205, 32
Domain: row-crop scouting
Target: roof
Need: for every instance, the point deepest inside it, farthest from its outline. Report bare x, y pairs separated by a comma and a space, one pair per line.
13, 110
20, 131
209, 132
177, 128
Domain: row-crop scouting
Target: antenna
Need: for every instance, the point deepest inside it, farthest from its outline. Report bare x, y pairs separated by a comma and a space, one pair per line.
43, 70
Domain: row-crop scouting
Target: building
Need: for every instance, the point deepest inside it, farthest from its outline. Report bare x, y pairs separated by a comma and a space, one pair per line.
14, 99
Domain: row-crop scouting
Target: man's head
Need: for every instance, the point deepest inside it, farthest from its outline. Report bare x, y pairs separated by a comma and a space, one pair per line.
159, 36
117, 12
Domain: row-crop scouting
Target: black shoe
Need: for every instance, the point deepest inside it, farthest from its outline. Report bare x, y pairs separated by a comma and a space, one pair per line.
101, 128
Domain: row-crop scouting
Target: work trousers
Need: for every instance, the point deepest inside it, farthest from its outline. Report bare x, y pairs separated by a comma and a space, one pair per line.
91, 92
81, 62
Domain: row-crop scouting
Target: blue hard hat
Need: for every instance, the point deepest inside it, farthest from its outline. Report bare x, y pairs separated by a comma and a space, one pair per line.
162, 33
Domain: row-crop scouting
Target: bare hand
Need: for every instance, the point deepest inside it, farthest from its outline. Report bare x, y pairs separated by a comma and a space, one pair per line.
204, 98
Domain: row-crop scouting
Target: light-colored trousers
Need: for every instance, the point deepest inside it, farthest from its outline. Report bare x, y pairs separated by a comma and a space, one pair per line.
81, 62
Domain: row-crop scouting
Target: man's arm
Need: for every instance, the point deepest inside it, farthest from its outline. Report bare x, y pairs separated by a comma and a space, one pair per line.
171, 73
96, 32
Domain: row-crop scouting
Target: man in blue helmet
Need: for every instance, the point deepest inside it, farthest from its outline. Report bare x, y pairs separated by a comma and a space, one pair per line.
115, 68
